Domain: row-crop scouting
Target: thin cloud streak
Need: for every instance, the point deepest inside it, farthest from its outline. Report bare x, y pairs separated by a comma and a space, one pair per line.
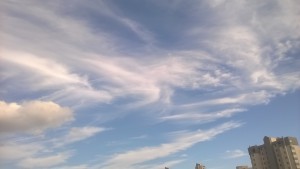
77, 134
203, 117
183, 142
168, 164
44, 162
230, 154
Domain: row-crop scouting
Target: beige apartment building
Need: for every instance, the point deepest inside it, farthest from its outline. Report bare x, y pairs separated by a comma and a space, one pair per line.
199, 166
276, 153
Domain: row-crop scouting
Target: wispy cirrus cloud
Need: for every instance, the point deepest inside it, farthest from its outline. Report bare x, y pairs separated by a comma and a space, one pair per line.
112, 76
168, 164
133, 158
77, 134
45, 152
12, 151
71, 167
190, 61
234, 154
45, 74
44, 162
203, 117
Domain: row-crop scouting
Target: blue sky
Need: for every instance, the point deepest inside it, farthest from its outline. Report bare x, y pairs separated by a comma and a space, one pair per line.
145, 84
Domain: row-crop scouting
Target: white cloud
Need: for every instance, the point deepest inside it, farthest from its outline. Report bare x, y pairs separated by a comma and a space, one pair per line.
42, 53
44, 152
47, 74
144, 136
203, 117
44, 162
77, 134
71, 167
168, 164
156, 81
239, 61
182, 142
13, 151
243, 99
32, 116
50, 71
235, 153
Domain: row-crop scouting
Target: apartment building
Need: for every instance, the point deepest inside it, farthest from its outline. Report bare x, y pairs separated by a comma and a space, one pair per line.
276, 153
199, 166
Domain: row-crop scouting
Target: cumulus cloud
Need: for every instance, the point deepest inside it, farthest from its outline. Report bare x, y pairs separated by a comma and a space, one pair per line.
32, 116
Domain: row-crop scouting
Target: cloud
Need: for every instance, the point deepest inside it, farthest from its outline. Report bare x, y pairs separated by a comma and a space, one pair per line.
158, 80
75, 55
13, 151
32, 116
184, 141
30, 155
242, 99
44, 162
47, 74
77, 134
168, 164
237, 60
71, 167
234, 154
45, 152
144, 136
50, 71
203, 117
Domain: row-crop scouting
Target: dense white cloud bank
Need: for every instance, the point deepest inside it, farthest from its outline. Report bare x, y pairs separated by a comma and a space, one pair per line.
32, 116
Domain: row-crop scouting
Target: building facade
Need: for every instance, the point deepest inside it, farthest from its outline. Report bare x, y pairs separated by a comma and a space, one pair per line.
276, 153
199, 166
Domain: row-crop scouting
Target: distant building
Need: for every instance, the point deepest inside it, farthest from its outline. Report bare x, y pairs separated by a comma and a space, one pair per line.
166, 168
276, 153
242, 167
199, 166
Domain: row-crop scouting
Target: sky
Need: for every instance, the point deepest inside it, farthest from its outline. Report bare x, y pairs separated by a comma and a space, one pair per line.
107, 84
